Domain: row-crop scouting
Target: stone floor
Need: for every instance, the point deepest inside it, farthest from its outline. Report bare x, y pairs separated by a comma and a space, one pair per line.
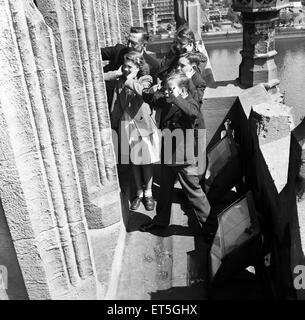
168, 264
172, 264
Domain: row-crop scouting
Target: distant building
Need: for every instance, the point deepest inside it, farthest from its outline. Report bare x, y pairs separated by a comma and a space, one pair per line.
214, 15
164, 10
150, 17
295, 4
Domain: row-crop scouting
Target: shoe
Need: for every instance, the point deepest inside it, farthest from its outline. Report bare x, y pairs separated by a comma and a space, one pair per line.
136, 203
150, 226
149, 203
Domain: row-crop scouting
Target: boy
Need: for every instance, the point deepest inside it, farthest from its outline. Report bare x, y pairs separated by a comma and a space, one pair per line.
181, 114
189, 64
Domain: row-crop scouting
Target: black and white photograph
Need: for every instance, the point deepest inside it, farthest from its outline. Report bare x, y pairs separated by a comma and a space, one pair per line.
151, 153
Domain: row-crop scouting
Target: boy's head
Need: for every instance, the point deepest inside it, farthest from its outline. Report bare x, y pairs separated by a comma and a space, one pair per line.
137, 39
189, 62
184, 40
185, 65
177, 83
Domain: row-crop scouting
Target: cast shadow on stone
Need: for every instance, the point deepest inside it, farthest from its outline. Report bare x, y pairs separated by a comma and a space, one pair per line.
136, 219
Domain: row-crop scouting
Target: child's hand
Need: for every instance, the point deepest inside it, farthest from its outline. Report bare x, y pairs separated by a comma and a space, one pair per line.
156, 87
133, 74
190, 73
175, 92
119, 72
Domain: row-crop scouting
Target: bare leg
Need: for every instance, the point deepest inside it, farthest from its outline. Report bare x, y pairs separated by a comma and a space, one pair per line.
148, 171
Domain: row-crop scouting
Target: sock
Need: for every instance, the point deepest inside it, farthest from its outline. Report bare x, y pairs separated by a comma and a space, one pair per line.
148, 193
140, 193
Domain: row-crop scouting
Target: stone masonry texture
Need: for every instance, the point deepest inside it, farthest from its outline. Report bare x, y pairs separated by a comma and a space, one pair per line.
57, 163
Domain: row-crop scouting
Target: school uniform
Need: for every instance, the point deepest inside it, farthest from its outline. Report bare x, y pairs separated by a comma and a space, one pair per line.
182, 158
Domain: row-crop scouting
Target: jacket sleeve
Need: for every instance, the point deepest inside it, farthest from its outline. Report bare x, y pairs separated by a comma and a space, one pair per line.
111, 75
198, 88
109, 53
139, 85
188, 107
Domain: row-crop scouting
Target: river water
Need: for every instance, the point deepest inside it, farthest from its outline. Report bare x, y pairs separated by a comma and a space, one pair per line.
290, 60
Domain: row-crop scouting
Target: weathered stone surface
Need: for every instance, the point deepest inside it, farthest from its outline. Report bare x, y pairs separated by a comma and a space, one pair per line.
273, 127
110, 16
137, 14
39, 184
101, 28
258, 65
74, 26
125, 16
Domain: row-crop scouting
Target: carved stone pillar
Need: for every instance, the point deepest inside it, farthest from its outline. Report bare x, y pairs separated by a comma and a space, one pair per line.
73, 23
259, 22
107, 13
39, 182
137, 13
125, 16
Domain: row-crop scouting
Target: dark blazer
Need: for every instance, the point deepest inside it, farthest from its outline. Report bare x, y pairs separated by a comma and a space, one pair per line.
182, 114
128, 98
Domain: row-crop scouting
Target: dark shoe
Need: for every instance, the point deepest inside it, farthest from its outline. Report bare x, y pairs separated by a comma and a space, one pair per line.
136, 203
150, 226
149, 203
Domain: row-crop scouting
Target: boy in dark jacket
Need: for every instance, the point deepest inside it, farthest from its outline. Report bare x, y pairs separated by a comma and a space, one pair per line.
185, 159
189, 64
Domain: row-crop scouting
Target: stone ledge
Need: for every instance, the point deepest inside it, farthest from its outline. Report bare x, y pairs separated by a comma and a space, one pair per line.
107, 247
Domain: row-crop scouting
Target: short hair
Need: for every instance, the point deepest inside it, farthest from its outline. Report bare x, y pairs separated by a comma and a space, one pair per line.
142, 30
137, 58
180, 78
195, 57
185, 35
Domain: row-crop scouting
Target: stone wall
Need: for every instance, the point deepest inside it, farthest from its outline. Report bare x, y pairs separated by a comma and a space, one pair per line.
74, 26
39, 187
57, 164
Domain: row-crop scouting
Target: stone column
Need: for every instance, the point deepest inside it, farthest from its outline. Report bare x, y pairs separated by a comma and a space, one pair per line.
137, 13
125, 17
259, 21
101, 27
73, 24
39, 183
108, 11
